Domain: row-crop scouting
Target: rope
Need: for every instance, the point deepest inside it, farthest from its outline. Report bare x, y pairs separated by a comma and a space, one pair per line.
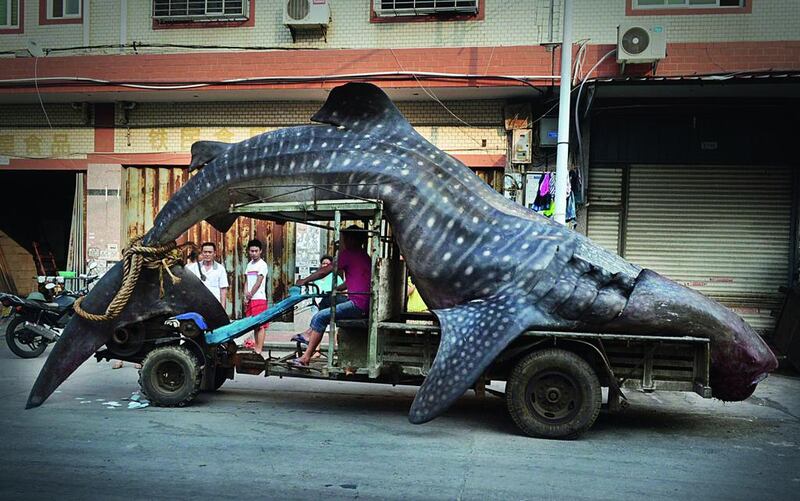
135, 258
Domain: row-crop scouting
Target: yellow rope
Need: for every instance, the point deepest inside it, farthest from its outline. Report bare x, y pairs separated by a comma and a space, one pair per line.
135, 258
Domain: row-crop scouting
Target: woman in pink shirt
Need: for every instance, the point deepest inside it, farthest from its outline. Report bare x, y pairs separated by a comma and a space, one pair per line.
357, 267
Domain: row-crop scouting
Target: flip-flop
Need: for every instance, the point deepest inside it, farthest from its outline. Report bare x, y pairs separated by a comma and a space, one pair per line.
299, 338
296, 362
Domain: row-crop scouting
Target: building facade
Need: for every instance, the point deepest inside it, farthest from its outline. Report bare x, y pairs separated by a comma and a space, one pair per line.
685, 164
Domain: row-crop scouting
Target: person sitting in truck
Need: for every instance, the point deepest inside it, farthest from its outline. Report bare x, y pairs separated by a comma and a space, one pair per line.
328, 283
357, 267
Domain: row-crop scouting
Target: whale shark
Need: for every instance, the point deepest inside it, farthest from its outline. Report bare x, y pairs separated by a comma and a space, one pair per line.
487, 267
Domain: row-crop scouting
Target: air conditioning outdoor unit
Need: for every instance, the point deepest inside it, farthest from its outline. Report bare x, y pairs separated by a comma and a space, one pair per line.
306, 15
639, 43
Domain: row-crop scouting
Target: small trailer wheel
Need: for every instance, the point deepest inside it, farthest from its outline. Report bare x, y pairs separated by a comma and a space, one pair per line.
553, 393
170, 376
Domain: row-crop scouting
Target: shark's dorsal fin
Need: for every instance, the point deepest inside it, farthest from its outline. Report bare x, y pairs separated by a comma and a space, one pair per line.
360, 106
206, 151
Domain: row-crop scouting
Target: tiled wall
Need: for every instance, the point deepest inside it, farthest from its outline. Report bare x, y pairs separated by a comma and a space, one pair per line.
172, 127
769, 20
506, 22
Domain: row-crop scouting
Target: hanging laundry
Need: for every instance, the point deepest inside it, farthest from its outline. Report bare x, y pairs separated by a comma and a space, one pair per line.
570, 213
543, 197
576, 183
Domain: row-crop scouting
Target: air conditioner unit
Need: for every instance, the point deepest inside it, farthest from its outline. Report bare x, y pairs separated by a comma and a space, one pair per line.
639, 43
306, 14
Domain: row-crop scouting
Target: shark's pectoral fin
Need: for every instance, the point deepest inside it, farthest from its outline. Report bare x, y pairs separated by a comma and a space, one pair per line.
222, 222
206, 151
473, 334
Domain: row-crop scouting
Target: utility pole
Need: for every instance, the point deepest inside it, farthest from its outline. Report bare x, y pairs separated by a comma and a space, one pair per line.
562, 154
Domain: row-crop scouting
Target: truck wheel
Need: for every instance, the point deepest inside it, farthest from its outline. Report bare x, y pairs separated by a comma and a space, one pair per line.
22, 342
170, 376
553, 393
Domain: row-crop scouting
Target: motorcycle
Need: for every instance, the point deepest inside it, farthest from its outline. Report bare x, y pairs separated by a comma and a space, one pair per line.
37, 322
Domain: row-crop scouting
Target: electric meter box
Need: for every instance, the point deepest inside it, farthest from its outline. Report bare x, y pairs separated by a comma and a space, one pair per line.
548, 132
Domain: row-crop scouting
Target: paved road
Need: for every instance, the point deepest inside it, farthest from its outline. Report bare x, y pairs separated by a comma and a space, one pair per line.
300, 439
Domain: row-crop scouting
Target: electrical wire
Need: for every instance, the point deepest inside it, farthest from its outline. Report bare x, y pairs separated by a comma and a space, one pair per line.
526, 79
578, 104
39, 94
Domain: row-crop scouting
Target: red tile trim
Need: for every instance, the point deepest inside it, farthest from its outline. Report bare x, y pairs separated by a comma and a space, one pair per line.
179, 159
630, 11
375, 18
104, 127
43, 20
21, 29
478, 160
683, 59
160, 25
45, 164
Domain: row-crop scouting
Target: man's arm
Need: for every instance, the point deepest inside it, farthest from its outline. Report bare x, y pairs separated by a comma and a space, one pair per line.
320, 273
249, 294
223, 286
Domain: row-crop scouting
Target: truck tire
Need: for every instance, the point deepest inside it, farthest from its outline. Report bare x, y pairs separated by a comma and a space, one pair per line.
553, 393
14, 329
170, 376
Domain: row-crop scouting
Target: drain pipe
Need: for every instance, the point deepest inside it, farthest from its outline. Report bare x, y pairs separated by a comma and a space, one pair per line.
562, 154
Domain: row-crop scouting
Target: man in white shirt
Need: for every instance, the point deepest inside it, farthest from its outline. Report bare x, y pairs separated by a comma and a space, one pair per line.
211, 272
255, 295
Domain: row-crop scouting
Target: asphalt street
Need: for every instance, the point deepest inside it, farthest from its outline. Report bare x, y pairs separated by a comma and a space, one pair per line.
302, 439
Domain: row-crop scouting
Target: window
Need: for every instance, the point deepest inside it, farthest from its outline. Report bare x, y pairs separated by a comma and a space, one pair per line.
9, 14
63, 9
395, 8
201, 10
687, 4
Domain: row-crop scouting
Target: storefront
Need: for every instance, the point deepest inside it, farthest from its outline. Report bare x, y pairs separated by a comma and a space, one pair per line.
706, 195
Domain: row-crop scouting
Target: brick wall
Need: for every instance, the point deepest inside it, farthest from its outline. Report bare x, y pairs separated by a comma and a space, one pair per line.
172, 127
523, 22
769, 20
44, 142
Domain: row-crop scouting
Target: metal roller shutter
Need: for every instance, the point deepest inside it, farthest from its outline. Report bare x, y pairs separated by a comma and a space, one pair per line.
722, 230
605, 207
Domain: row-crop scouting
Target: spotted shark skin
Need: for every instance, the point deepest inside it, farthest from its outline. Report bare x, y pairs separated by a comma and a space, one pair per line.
487, 267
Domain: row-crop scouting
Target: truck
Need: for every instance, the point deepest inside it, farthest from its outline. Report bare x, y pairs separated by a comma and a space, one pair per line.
554, 380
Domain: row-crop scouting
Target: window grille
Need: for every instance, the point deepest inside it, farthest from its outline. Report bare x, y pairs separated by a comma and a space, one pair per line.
201, 10
394, 8
9, 13
63, 9
687, 4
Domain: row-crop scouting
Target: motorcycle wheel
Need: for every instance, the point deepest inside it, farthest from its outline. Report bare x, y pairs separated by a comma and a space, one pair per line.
23, 350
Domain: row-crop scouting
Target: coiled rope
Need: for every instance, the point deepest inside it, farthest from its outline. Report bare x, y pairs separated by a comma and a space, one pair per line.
136, 257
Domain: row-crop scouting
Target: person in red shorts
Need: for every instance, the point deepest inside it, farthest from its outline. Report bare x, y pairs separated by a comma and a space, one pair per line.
255, 296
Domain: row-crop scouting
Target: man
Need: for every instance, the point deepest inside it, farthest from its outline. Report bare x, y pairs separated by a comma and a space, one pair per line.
357, 267
255, 295
211, 272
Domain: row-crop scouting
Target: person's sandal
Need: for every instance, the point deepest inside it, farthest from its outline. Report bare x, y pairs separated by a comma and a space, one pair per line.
298, 364
299, 338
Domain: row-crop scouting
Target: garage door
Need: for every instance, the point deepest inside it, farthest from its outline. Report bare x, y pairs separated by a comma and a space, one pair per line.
725, 231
